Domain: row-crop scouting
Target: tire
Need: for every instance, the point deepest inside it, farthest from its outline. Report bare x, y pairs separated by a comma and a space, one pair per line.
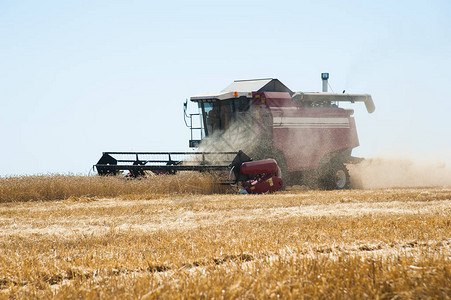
336, 178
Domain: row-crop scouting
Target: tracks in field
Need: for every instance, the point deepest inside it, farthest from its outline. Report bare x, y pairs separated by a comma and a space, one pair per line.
60, 246
94, 218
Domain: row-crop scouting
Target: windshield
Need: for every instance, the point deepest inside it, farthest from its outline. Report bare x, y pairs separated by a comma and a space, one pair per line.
218, 115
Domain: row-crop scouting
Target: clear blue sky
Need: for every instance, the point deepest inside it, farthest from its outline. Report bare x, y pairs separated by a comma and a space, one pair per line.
81, 77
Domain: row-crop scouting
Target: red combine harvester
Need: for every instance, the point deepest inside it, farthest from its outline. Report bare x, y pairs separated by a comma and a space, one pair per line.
304, 138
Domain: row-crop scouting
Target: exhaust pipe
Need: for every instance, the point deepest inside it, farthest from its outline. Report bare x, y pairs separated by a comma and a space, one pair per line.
325, 77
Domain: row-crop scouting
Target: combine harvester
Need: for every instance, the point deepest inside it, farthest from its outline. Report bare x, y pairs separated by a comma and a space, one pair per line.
304, 137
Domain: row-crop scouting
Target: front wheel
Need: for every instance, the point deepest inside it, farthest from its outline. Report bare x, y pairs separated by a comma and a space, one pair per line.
336, 178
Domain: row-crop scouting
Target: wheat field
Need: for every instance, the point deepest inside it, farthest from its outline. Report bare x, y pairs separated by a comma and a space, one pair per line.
183, 237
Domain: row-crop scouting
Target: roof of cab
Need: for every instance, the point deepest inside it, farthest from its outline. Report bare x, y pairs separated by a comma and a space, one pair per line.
245, 87
257, 85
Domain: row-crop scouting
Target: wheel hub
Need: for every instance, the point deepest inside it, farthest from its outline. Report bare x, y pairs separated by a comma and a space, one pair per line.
340, 179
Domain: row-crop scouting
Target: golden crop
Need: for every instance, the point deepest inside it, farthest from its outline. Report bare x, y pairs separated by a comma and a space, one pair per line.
43, 188
172, 237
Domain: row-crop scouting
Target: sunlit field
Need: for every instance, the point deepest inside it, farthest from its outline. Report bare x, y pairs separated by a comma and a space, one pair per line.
186, 237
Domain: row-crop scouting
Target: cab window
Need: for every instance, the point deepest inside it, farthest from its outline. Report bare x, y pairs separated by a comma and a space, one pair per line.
218, 115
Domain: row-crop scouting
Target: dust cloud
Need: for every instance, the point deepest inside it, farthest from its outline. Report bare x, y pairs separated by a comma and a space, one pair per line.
390, 172
240, 135
385, 171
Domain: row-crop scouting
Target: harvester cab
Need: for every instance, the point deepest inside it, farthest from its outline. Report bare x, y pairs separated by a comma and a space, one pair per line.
219, 111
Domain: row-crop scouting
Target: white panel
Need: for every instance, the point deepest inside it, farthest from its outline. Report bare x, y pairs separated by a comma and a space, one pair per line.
296, 122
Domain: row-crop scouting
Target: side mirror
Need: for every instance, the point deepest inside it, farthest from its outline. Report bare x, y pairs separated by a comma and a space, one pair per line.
185, 116
185, 107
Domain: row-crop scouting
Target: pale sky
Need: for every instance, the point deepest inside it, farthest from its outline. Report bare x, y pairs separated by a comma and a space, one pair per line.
81, 77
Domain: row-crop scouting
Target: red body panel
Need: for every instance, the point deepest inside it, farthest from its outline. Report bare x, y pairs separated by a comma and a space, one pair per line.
264, 166
304, 134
